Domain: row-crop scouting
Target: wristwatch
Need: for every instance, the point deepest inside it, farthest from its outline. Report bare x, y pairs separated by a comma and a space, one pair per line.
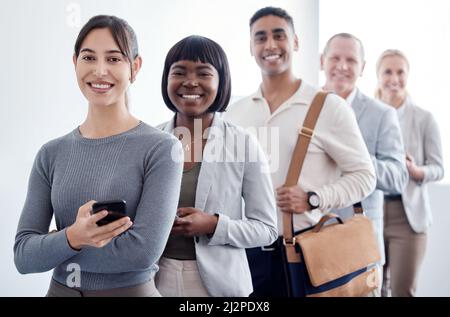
313, 200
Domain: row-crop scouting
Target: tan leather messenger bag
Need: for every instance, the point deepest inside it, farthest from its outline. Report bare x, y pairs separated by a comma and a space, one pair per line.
336, 259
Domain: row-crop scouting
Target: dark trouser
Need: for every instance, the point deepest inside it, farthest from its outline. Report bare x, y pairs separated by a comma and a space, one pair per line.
269, 271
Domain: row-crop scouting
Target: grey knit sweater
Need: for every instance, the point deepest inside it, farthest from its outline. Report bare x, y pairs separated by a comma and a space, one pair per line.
142, 166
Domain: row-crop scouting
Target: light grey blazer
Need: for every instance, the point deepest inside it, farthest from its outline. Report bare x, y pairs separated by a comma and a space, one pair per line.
422, 140
381, 131
234, 182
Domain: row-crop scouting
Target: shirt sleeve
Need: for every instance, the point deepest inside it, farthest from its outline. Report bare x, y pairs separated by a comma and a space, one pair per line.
142, 245
389, 160
36, 250
342, 141
434, 166
260, 224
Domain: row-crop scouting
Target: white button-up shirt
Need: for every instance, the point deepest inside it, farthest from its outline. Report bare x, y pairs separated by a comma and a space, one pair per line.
337, 166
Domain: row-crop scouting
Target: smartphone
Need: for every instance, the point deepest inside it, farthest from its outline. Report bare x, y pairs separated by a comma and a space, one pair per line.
116, 210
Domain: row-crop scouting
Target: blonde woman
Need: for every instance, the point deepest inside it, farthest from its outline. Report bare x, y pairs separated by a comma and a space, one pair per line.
408, 216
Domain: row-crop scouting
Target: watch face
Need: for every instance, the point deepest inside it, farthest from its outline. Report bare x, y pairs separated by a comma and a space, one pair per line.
314, 200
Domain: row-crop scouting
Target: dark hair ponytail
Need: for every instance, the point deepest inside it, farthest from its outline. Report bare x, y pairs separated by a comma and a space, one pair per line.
122, 33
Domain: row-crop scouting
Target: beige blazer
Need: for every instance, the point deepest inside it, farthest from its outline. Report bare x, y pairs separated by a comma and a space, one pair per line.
422, 140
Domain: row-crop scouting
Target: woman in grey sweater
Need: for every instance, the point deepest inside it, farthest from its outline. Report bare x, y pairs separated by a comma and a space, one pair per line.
111, 155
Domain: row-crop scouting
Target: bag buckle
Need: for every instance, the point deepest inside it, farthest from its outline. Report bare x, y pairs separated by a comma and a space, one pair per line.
267, 248
289, 241
306, 132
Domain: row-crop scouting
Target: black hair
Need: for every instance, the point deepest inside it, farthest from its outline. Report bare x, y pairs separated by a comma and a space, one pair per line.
198, 48
121, 31
278, 12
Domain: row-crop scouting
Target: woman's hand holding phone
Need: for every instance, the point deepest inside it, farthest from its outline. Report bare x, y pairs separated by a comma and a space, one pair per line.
86, 232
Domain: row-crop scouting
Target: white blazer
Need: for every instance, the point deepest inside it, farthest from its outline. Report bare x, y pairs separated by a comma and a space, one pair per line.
241, 193
422, 140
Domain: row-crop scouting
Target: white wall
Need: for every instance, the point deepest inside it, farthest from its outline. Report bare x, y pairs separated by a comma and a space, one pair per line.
434, 279
40, 100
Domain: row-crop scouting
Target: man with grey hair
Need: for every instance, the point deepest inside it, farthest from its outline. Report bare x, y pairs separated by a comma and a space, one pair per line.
343, 62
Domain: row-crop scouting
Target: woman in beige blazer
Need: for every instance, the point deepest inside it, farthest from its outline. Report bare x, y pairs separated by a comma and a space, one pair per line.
408, 214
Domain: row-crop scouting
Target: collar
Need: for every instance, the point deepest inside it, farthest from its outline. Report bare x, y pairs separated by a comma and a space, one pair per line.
401, 109
352, 96
170, 125
300, 97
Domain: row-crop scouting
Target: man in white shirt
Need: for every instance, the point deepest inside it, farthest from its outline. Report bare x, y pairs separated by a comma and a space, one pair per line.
337, 171
343, 63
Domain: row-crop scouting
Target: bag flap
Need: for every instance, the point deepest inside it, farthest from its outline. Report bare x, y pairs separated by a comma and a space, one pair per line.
339, 249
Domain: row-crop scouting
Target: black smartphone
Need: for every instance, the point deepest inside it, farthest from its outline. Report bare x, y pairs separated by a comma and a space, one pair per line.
116, 210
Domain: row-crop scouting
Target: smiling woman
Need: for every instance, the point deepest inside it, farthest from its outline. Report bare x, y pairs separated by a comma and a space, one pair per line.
103, 75
121, 53
110, 156
195, 85
192, 87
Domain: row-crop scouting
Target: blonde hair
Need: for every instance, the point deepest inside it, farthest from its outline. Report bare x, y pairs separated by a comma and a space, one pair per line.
388, 53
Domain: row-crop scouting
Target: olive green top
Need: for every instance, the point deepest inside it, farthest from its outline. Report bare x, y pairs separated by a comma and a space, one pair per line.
180, 247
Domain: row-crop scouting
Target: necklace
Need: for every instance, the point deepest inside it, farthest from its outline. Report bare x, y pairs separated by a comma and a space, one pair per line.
188, 146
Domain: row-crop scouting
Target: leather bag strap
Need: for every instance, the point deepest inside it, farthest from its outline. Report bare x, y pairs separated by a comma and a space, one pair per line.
298, 157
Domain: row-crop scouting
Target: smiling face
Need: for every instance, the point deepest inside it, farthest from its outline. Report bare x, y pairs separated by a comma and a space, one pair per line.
272, 44
103, 72
342, 63
192, 87
392, 77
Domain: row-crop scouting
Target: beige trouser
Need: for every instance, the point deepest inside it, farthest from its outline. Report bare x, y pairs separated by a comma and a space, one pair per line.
179, 278
142, 290
405, 250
